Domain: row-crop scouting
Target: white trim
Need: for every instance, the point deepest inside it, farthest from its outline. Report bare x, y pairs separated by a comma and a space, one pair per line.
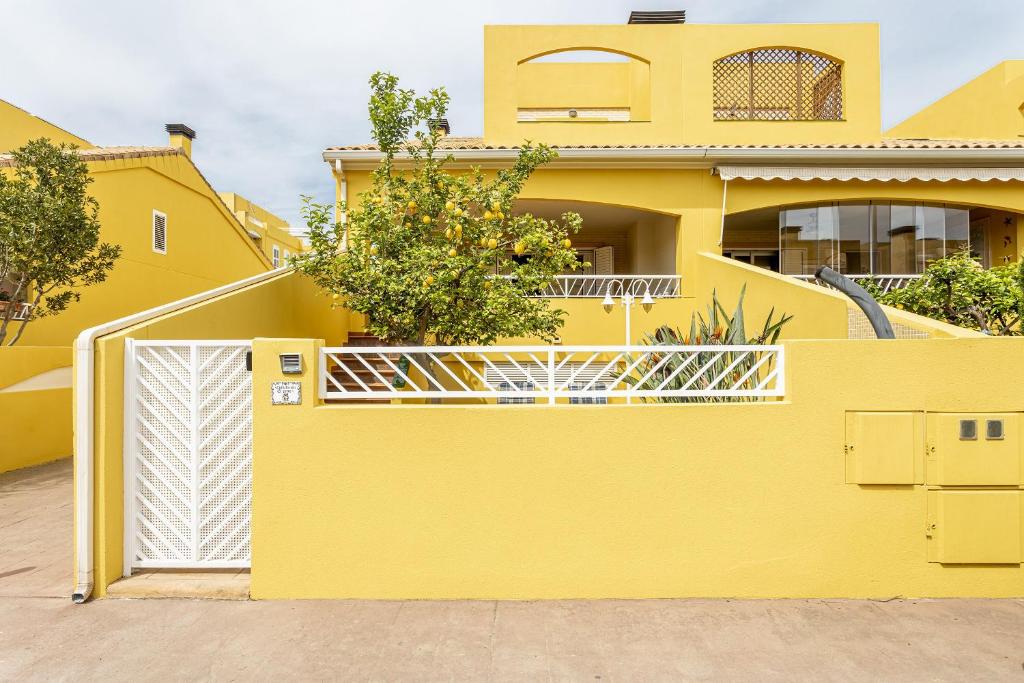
692, 157
844, 173
153, 240
85, 410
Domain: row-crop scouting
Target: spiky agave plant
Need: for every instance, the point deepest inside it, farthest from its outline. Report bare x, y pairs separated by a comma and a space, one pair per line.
717, 329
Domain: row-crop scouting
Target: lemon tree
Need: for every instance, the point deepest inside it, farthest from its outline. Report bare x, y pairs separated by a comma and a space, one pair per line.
958, 290
432, 256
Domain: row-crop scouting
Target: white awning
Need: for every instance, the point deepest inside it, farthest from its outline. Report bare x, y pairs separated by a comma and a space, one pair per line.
941, 174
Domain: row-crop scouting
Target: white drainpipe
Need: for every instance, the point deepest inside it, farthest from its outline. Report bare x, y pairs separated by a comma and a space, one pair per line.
85, 411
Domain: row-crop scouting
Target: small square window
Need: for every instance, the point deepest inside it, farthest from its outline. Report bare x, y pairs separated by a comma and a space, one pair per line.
968, 430
993, 430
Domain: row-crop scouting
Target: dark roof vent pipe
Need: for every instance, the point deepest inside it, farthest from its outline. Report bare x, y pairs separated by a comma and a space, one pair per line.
674, 16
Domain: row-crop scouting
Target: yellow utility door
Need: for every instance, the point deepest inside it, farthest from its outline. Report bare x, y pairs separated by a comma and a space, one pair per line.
974, 449
975, 527
884, 448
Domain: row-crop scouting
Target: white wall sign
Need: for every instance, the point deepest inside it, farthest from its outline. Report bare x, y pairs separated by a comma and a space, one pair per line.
286, 393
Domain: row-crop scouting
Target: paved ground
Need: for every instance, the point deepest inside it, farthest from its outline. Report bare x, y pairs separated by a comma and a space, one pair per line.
44, 637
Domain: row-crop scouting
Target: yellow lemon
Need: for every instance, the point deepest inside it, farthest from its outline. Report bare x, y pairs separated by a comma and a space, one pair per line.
501, 216
458, 231
488, 215
412, 204
452, 252
495, 206
458, 212
448, 233
429, 280
449, 205
426, 220
334, 296
373, 250
492, 243
487, 284
520, 248
568, 244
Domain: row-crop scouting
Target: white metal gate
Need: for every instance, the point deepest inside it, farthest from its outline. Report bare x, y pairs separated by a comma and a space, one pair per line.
188, 454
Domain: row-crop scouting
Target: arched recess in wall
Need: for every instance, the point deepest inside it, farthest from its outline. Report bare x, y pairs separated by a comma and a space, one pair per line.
778, 84
583, 84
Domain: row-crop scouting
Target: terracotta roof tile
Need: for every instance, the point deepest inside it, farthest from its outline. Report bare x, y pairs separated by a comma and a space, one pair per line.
109, 153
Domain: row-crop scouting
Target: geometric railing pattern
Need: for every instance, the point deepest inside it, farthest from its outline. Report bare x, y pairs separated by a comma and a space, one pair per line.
885, 282
597, 286
188, 465
552, 374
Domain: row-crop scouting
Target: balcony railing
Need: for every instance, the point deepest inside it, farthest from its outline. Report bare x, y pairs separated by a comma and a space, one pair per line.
597, 286
21, 310
552, 374
886, 282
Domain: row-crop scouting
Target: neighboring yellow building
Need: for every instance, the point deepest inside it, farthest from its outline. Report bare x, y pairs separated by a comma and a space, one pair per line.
270, 232
701, 158
177, 236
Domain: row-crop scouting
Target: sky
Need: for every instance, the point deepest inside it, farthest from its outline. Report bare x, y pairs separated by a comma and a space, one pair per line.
268, 84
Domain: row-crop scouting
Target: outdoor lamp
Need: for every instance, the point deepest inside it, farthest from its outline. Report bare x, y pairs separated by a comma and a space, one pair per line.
608, 302
647, 301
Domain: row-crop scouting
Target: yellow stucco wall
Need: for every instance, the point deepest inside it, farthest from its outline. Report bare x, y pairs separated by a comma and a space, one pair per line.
206, 246
35, 425
616, 501
990, 106
18, 126
680, 58
286, 305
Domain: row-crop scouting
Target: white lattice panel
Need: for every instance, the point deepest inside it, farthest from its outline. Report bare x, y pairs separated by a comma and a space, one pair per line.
189, 446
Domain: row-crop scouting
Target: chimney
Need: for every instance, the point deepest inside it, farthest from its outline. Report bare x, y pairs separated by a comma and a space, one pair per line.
439, 125
675, 16
181, 136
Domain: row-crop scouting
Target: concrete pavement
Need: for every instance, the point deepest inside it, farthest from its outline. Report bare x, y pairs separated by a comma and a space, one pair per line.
43, 637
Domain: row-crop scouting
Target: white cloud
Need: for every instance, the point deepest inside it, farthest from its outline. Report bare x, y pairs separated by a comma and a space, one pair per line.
269, 84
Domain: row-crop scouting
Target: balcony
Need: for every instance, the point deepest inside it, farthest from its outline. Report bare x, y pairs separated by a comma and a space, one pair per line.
621, 251
22, 310
891, 243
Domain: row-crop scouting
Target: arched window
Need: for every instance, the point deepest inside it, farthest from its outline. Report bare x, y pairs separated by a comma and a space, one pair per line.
778, 84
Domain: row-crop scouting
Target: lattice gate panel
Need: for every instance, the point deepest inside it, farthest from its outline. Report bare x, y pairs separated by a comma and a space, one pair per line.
188, 454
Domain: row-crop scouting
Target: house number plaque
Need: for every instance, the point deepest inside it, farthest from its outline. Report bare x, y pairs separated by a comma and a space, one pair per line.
286, 393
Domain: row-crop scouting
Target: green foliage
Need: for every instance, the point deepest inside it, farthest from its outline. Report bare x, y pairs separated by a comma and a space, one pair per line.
956, 289
418, 252
49, 232
717, 329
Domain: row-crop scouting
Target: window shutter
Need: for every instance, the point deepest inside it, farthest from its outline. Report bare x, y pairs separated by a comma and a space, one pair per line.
159, 232
604, 261
277, 257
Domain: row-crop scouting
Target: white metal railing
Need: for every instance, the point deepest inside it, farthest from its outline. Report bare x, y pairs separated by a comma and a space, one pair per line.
886, 282
597, 286
553, 374
21, 310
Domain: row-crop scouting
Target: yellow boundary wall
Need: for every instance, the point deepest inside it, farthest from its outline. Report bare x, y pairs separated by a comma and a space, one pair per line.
643, 501
284, 305
35, 425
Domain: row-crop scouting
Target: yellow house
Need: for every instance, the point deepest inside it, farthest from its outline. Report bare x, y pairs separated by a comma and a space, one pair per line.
702, 158
270, 232
178, 237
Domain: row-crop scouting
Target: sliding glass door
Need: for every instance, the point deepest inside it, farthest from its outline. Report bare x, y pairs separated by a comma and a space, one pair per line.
861, 238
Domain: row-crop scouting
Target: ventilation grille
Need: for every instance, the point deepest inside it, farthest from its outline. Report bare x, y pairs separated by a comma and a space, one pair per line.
663, 17
778, 84
159, 232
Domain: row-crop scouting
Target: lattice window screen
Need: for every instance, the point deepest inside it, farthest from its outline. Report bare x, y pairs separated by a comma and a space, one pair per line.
778, 84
